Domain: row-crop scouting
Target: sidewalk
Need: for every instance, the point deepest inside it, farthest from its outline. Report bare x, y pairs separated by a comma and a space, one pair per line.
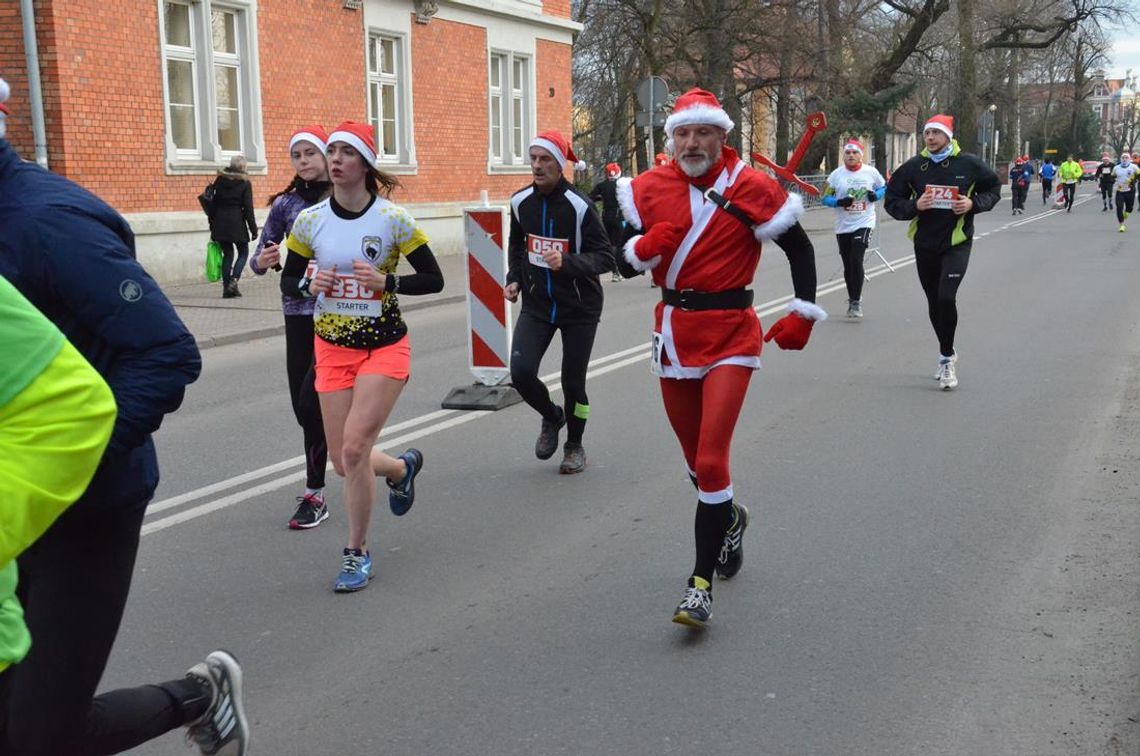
257, 313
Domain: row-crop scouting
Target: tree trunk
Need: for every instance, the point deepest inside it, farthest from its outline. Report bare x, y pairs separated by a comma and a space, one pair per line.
965, 100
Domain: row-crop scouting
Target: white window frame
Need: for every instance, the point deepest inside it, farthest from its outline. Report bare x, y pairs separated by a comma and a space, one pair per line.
402, 159
208, 154
511, 100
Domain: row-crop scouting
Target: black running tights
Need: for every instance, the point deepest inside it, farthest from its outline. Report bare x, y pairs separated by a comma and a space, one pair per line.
306, 405
940, 271
531, 340
852, 250
1124, 204
1106, 195
1070, 191
73, 585
231, 269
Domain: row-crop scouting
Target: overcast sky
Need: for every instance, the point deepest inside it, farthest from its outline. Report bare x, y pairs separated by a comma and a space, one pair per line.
1125, 54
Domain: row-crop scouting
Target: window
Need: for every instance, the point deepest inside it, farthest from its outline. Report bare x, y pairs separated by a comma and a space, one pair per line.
211, 95
510, 107
387, 108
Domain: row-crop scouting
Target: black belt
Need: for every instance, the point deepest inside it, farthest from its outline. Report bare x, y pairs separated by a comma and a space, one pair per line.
688, 299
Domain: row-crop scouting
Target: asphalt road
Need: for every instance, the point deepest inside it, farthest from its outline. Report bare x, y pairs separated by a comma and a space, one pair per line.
926, 572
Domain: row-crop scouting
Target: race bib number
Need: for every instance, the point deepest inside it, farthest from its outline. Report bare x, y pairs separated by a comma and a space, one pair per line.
857, 206
943, 196
656, 345
537, 246
349, 297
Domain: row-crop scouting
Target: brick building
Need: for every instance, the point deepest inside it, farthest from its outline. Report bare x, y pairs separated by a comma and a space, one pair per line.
143, 100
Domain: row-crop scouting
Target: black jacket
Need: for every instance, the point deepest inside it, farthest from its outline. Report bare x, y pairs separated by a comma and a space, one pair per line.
940, 229
232, 212
606, 193
568, 218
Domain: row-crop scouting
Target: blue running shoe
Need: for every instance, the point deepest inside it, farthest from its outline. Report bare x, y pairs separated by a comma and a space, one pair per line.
402, 495
355, 571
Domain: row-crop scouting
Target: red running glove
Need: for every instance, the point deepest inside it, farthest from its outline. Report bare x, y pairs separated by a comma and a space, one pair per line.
660, 239
790, 331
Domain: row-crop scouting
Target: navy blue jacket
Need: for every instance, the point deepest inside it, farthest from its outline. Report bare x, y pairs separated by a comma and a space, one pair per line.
73, 257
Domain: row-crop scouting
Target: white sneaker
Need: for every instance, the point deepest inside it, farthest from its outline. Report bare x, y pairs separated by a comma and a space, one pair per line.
947, 375
854, 308
953, 361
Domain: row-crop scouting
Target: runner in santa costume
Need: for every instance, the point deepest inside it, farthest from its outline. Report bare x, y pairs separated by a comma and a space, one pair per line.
852, 189
703, 219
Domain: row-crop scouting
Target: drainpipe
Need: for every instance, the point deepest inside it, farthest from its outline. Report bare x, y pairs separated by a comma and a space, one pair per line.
35, 91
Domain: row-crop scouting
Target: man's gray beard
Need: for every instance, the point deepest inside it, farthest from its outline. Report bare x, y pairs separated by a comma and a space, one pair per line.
695, 170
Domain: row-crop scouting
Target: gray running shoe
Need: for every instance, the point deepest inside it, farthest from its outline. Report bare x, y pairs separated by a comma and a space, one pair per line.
223, 729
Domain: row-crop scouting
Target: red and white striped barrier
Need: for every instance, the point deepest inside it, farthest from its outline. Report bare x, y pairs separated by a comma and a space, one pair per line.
488, 314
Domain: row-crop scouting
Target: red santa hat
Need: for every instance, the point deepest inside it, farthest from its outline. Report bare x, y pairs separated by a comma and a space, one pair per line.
661, 159
358, 136
943, 123
556, 144
4, 92
613, 170
314, 135
697, 106
853, 145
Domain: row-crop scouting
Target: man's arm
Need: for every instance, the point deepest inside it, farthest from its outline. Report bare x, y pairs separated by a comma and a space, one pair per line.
987, 190
596, 255
899, 201
92, 276
516, 251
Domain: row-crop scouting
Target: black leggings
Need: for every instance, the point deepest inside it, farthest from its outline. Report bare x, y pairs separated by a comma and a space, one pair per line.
531, 340
852, 249
73, 585
1046, 189
1019, 194
940, 271
1070, 191
306, 405
1124, 204
1106, 195
231, 270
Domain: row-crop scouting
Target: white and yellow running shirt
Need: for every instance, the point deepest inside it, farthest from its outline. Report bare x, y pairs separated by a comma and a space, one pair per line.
328, 235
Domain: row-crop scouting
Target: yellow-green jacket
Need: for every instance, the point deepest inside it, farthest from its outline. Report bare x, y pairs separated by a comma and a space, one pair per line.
56, 416
1071, 171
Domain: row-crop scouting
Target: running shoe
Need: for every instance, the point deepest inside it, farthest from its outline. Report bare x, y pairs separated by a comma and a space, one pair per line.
547, 442
953, 361
732, 550
223, 729
1122, 228
854, 308
947, 374
402, 495
355, 571
311, 512
573, 459
695, 608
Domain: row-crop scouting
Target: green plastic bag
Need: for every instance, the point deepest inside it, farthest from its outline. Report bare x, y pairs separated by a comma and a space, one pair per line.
213, 262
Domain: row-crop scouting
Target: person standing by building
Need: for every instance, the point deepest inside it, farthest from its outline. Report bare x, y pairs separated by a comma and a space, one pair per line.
1048, 172
310, 185
73, 258
853, 189
1106, 181
232, 223
344, 250
939, 191
557, 250
703, 219
1071, 173
1124, 180
606, 193
1020, 176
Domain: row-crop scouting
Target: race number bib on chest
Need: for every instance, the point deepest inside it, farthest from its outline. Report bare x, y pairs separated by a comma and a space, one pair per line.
943, 196
857, 206
349, 297
537, 246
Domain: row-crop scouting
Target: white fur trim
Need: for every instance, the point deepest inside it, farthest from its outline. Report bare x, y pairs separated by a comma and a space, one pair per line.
786, 217
636, 262
580, 165
552, 148
356, 143
807, 310
625, 201
698, 114
313, 139
940, 127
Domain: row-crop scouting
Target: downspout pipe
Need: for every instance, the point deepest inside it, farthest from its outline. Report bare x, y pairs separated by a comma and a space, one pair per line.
35, 90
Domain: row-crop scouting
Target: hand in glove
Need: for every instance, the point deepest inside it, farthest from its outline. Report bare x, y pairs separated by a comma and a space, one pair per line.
790, 332
830, 200
660, 239
872, 195
845, 202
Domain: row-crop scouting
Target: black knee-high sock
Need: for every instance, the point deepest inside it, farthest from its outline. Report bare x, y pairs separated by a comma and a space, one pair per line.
709, 526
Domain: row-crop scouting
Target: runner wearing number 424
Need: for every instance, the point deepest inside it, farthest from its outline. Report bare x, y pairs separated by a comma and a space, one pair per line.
939, 191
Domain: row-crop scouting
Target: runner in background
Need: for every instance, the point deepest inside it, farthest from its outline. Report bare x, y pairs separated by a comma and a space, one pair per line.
605, 191
853, 189
1048, 172
1020, 176
1071, 173
1105, 180
1124, 179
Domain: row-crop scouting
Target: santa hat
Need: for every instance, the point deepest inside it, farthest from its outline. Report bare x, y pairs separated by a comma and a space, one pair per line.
556, 144
1125, 156
943, 123
697, 106
853, 145
358, 136
661, 159
4, 92
314, 135
613, 170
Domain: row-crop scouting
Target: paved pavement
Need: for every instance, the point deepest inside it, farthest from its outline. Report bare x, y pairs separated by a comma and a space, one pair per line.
215, 321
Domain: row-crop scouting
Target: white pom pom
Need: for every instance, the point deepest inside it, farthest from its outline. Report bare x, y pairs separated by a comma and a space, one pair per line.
4, 91
580, 165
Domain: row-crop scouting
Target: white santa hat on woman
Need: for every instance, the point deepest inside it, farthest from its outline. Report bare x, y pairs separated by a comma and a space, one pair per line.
556, 144
697, 106
4, 92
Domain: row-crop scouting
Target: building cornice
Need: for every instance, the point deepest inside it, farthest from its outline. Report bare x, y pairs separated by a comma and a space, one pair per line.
520, 10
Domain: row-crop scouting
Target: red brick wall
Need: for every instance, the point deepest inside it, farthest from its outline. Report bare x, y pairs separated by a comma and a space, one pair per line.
560, 8
14, 71
552, 80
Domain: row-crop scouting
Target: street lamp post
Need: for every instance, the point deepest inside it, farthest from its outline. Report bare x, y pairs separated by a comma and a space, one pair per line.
993, 130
